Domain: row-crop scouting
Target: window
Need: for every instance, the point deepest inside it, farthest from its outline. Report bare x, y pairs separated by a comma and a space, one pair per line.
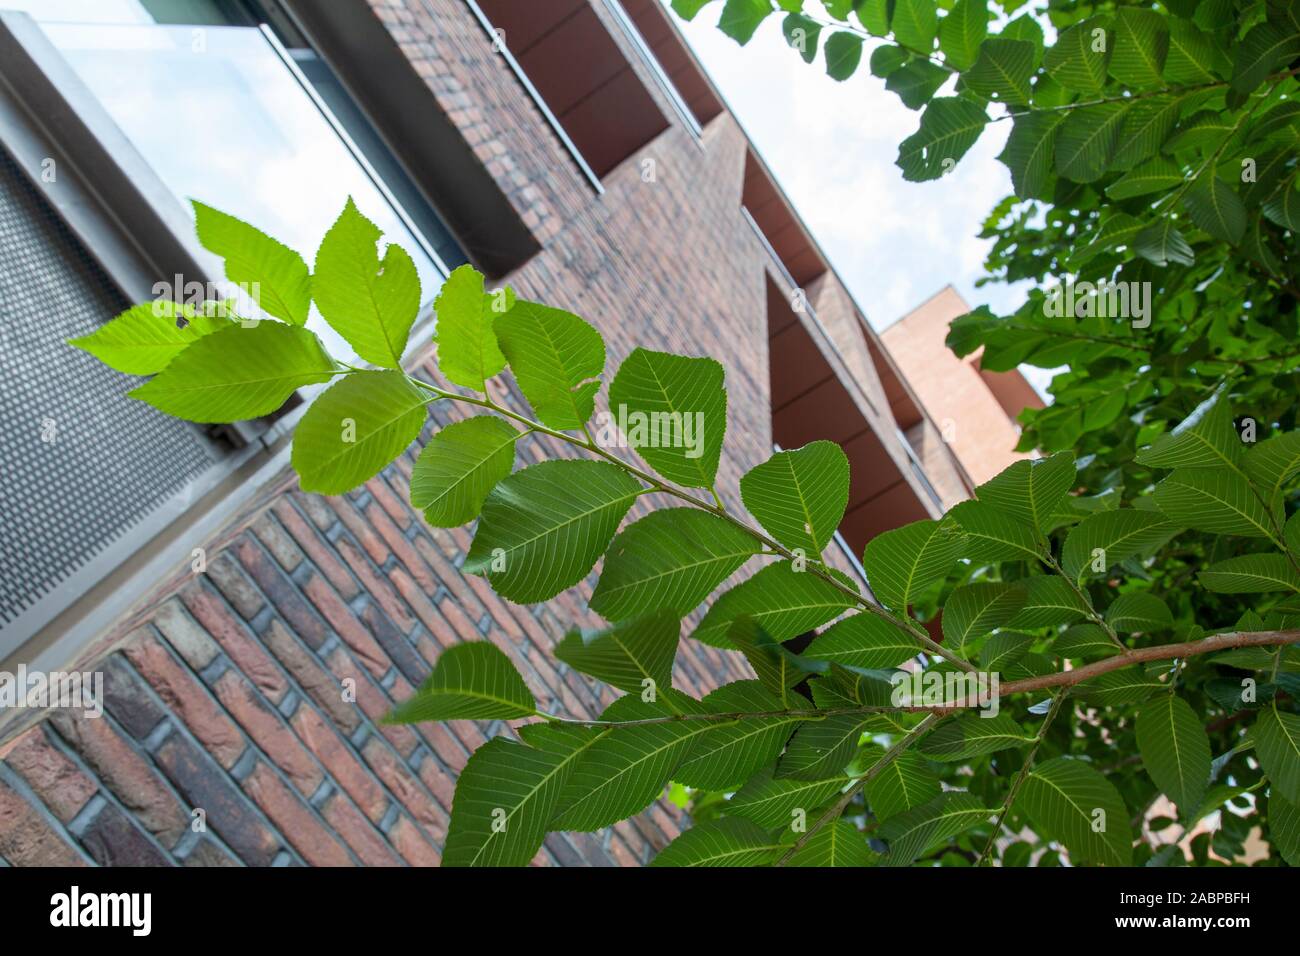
219, 118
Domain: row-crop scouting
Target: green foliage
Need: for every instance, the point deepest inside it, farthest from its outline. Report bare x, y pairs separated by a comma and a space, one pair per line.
1155, 539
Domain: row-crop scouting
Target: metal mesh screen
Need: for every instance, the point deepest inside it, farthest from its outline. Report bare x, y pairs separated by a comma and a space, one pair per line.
81, 463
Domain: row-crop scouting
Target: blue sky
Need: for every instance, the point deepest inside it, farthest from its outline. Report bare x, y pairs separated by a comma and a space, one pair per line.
832, 146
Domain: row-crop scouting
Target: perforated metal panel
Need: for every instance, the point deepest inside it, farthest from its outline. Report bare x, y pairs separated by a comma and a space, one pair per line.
81, 464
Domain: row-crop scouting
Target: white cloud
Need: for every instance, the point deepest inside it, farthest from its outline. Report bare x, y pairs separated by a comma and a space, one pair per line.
832, 147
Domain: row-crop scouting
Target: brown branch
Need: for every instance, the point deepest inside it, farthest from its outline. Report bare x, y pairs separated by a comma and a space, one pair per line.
1160, 652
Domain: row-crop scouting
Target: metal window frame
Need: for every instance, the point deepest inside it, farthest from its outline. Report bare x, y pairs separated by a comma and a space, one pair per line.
134, 227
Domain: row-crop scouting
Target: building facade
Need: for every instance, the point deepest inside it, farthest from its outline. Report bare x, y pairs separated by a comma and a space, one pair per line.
250, 637
976, 409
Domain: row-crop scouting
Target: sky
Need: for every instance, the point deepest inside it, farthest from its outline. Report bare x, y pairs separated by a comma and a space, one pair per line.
832, 147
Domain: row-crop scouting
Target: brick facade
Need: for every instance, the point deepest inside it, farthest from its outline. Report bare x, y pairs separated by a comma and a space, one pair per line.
244, 703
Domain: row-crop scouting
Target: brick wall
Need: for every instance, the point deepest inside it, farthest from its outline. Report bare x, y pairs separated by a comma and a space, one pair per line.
250, 696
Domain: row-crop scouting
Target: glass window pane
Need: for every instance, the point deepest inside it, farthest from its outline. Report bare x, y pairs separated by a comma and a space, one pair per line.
220, 118
81, 11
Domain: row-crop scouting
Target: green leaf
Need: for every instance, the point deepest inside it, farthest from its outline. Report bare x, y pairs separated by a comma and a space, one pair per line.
887, 58
782, 601
821, 748
839, 843
687, 9
1216, 209
916, 82
1031, 490
975, 610
371, 302
1049, 601
556, 358
777, 668
801, 33
915, 23
238, 373
949, 127
669, 559
1250, 574
1155, 175
1087, 141
1141, 45
1205, 438
1005, 649
1283, 207
728, 841
903, 562
1214, 500
1147, 125
741, 18
874, 15
1069, 801
995, 536
354, 429
1119, 535
1271, 463
144, 338
1029, 153
1161, 243
843, 54
799, 496
459, 466
468, 353
544, 527
1277, 744
1074, 63
863, 640
1261, 51
269, 272
771, 802
911, 835
1284, 828
505, 796
973, 736
1138, 611
628, 654
673, 411
1194, 57
474, 681
731, 753
904, 783
624, 771
1002, 71
961, 32
1084, 641
1175, 749
1131, 685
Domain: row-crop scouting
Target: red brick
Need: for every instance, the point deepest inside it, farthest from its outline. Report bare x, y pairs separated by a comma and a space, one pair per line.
185, 635
187, 698
49, 772
269, 731
346, 625
273, 537
406, 787
413, 846
375, 585
374, 703
401, 547
317, 845
224, 572
128, 775
26, 839
318, 683
366, 842
320, 552
322, 740
360, 529
238, 642
387, 500
439, 782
